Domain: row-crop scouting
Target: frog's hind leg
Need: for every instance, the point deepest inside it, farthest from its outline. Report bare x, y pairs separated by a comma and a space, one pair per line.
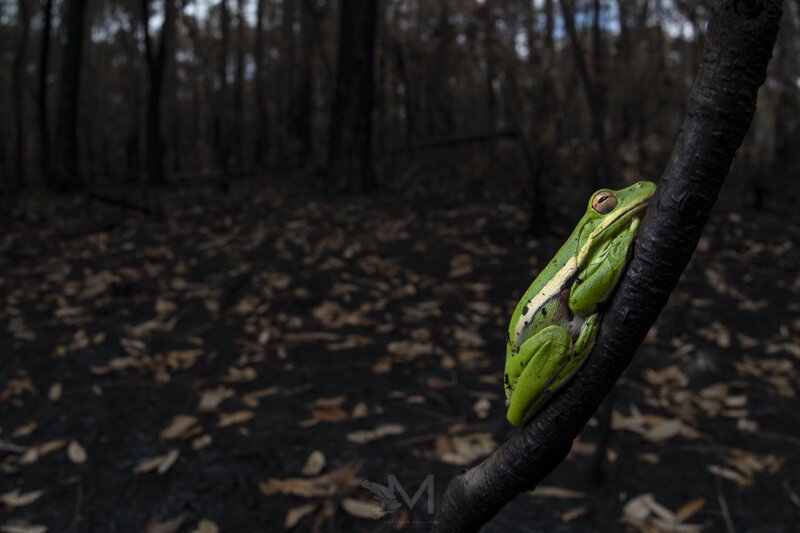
533, 374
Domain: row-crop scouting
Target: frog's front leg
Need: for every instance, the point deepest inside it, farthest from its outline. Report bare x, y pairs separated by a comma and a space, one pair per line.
597, 279
533, 372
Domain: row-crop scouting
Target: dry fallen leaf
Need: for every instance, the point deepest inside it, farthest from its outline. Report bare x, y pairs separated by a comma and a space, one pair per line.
15, 498
644, 513
22, 527
170, 526
572, 514
206, 526
39, 450
211, 399
25, 430
556, 492
362, 509
359, 411
368, 435
730, 474
76, 453
314, 464
238, 417
464, 449
482, 408
179, 425
324, 414
201, 442
663, 431
324, 485
293, 516
690, 509
160, 463
252, 399
168, 461
55, 391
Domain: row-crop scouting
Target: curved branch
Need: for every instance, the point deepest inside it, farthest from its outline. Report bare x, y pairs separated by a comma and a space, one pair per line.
739, 42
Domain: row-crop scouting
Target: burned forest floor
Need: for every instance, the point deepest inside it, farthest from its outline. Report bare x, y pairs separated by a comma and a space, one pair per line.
259, 360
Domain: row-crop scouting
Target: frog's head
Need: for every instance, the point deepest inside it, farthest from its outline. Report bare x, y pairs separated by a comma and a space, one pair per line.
609, 213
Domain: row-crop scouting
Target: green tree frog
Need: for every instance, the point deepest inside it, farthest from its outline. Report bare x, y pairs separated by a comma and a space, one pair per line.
555, 324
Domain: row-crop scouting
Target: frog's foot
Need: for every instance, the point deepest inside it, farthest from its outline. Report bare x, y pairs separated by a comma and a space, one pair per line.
534, 373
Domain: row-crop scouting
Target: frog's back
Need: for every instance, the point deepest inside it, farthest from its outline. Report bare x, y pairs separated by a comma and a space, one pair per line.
539, 305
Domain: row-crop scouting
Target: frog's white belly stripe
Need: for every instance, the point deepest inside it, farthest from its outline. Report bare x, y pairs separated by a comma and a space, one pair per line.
551, 288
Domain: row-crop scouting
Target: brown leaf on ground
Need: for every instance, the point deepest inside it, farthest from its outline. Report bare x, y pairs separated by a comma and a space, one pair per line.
573, 513
240, 375
370, 509
15, 498
159, 463
294, 515
211, 398
644, 513
360, 410
547, 491
40, 450
179, 425
21, 526
324, 485
464, 449
252, 399
25, 429
54, 392
238, 417
206, 526
170, 526
76, 453
690, 509
314, 464
368, 435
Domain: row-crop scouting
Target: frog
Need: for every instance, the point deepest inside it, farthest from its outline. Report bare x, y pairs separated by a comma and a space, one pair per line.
556, 322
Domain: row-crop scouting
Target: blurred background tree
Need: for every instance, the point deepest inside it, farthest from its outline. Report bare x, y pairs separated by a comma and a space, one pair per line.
534, 96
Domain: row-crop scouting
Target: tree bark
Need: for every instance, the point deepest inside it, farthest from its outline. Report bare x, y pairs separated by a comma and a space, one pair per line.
261, 118
350, 157
740, 38
156, 63
221, 141
44, 60
238, 89
23, 16
287, 136
66, 166
304, 106
596, 113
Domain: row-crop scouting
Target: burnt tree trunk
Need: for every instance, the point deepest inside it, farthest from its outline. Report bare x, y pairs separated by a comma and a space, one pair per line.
304, 104
44, 60
286, 151
350, 156
722, 102
593, 100
238, 90
156, 62
66, 167
221, 142
262, 112
23, 16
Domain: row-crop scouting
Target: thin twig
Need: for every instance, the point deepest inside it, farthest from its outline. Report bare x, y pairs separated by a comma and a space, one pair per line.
723, 505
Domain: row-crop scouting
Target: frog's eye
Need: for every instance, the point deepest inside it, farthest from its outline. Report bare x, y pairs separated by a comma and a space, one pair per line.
604, 202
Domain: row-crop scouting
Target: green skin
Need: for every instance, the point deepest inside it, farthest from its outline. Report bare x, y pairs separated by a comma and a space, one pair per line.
556, 322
